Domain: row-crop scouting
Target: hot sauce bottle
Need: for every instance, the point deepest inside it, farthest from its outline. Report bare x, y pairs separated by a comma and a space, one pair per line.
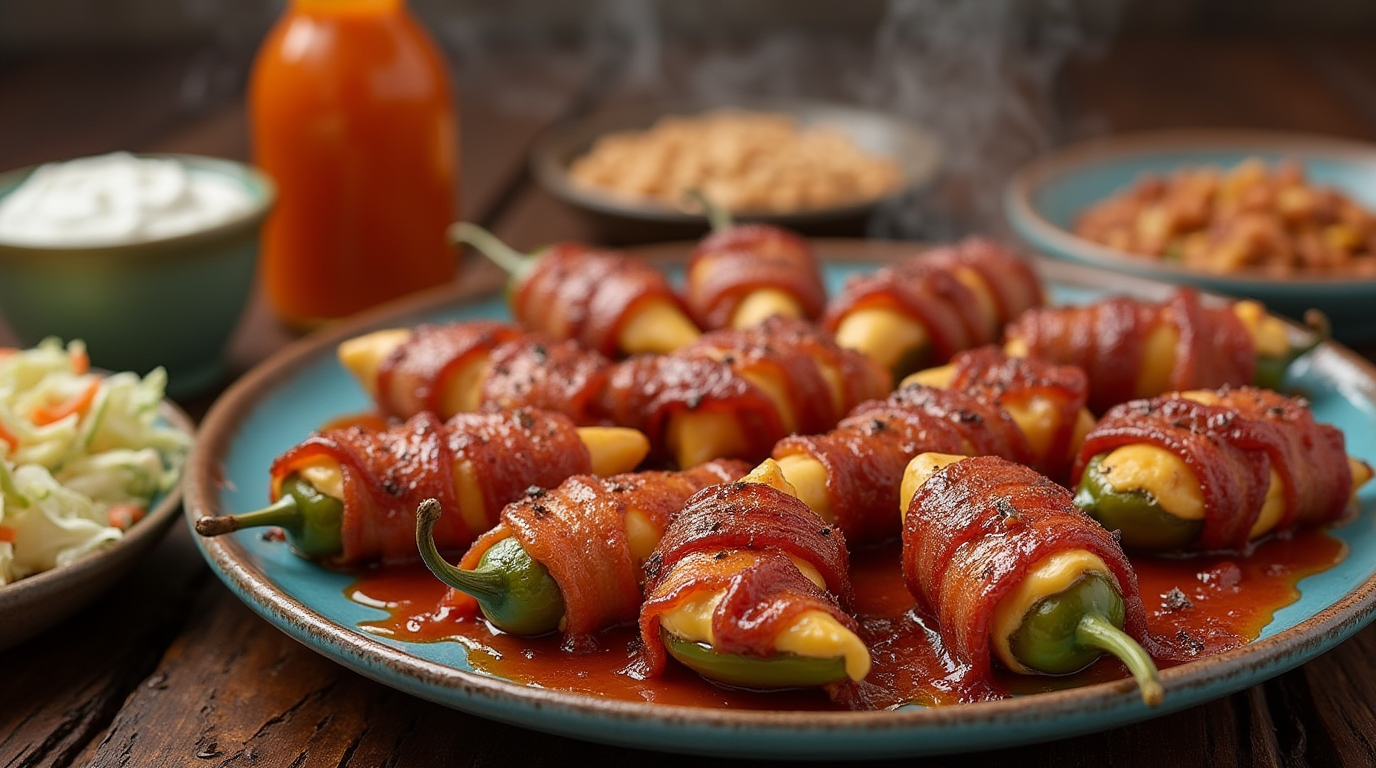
353, 117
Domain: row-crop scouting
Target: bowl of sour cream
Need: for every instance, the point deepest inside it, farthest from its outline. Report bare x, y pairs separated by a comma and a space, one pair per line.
149, 259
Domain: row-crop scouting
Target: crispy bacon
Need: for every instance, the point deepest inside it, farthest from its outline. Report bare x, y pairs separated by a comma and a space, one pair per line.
972, 533
1232, 447
714, 373
764, 597
530, 370
577, 531
927, 289
586, 294
388, 473
866, 453
1108, 339
728, 265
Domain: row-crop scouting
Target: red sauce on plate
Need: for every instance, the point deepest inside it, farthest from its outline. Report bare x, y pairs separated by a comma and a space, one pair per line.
1219, 601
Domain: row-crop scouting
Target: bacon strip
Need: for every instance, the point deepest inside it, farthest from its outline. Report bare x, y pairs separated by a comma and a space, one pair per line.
585, 294
1231, 448
926, 289
525, 370
972, 533
1108, 340
764, 598
729, 265
578, 532
712, 374
866, 453
388, 473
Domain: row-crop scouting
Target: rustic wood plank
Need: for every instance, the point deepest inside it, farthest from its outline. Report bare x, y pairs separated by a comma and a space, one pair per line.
62, 688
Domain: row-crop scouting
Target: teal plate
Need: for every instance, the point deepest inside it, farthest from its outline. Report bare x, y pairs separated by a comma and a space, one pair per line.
1043, 200
280, 402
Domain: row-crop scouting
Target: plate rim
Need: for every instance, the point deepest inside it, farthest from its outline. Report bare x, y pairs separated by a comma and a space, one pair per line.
497, 698
1044, 235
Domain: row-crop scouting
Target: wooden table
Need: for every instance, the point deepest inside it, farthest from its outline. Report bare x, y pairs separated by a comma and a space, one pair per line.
169, 668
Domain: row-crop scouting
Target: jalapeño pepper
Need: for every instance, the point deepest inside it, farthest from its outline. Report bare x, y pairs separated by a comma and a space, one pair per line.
514, 591
310, 519
1143, 524
1067, 631
1270, 371
781, 670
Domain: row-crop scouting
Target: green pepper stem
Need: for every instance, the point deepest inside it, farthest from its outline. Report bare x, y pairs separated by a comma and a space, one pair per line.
718, 217
284, 512
515, 263
1097, 631
479, 584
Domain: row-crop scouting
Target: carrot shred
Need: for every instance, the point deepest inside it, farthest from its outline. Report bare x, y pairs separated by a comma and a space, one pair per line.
7, 534
9, 438
123, 516
45, 415
81, 362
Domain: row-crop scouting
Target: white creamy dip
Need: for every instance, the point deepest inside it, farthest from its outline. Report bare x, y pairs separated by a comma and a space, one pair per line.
116, 199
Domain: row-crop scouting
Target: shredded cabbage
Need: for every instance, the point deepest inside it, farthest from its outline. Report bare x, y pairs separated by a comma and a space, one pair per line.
74, 444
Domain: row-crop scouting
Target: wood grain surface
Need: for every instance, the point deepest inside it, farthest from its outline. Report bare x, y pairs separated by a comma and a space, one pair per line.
171, 669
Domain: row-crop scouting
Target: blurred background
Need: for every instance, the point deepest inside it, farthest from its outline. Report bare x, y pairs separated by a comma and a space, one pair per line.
997, 80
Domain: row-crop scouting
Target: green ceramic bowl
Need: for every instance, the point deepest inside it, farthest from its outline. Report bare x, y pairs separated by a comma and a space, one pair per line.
172, 302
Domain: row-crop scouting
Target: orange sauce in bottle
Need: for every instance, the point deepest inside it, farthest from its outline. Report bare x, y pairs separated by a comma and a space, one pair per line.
353, 117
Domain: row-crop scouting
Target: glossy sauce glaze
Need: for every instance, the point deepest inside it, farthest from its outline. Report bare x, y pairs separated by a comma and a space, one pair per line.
1218, 602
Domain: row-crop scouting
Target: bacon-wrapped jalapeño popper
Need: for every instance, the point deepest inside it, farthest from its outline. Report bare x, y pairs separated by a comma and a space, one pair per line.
348, 496
749, 588
460, 367
742, 274
1014, 572
982, 403
734, 393
605, 301
1132, 348
568, 558
1209, 470
919, 312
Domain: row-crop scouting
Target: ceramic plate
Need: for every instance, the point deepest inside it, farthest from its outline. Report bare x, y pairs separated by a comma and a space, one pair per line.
911, 146
278, 404
1043, 200
32, 605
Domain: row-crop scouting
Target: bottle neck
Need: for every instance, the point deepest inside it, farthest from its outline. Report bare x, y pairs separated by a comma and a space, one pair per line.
347, 6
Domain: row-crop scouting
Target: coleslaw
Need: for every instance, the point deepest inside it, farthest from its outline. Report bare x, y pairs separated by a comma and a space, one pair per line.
82, 455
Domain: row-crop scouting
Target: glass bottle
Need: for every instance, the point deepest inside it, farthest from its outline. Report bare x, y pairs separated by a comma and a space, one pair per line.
353, 117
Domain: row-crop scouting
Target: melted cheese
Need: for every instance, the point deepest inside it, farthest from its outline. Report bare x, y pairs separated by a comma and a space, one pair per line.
461, 391
984, 299
813, 634
656, 327
696, 437
361, 356
937, 378
1038, 417
614, 450
809, 478
1269, 335
1049, 576
325, 475
1015, 347
1158, 360
760, 305
882, 334
918, 471
470, 497
1158, 473
642, 536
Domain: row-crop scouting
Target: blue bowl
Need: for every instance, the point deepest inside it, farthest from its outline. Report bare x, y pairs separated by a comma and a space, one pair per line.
1044, 198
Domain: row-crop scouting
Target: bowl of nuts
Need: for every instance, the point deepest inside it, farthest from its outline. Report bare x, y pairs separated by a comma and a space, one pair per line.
780, 162
1288, 219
